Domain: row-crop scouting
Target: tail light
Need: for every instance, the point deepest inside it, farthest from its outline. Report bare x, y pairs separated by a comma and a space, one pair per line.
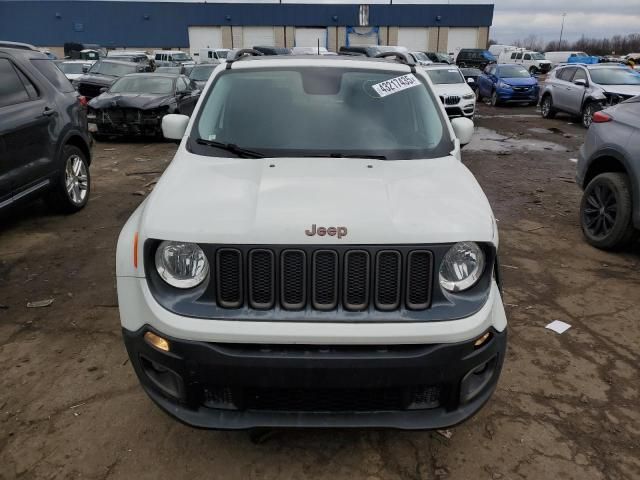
601, 117
83, 100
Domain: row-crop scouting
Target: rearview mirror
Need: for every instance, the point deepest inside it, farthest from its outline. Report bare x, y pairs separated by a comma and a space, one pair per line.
174, 126
463, 128
470, 80
580, 82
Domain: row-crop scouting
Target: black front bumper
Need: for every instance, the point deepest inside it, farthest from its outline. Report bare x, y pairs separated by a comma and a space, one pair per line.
240, 386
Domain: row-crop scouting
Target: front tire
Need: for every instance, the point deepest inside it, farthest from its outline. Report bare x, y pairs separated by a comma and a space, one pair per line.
546, 107
495, 101
587, 113
606, 211
71, 190
533, 71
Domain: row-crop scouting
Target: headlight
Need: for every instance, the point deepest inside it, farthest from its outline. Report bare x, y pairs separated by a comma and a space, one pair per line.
469, 96
181, 265
461, 267
504, 85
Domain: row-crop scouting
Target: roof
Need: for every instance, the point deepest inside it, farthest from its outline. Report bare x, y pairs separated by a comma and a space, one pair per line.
119, 62
26, 53
154, 75
326, 61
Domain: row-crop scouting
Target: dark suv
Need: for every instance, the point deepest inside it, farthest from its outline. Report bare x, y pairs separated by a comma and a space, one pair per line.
44, 142
102, 74
474, 57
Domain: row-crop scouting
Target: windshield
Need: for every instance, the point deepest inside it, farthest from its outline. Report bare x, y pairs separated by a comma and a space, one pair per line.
471, 72
538, 56
200, 74
614, 76
445, 76
513, 71
181, 57
420, 56
112, 69
175, 70
68, 67
143, 84
222, 53
317, 111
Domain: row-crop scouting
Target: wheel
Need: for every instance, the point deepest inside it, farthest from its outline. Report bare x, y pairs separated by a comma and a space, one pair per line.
495, 101
70, 192
587, 113
533, 71
462, 65
546, 107
605, 211
478, 95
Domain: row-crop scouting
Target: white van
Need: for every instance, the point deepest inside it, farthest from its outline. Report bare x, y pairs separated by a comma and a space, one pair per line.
496, 50
562, 57
172, 58
535, 62
211, 55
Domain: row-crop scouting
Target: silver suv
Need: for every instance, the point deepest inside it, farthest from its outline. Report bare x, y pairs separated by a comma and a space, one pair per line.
584, 89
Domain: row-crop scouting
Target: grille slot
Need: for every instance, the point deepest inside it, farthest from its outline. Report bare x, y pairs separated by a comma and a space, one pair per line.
419, 273
293, 279
261, 279
325, 280
452, 100
388, 280
356, 280
229, 278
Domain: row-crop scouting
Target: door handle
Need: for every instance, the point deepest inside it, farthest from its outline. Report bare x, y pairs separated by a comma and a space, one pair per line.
48, 111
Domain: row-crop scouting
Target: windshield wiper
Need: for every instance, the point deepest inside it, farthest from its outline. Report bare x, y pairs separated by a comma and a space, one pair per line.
230, 147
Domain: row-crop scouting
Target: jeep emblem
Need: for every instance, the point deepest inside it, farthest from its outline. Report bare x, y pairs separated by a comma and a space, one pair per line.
331, 231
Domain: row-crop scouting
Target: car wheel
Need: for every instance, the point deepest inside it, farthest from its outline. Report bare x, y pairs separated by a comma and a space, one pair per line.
546, 107
478, 95
605, 211
533, 71
587, 113
71, 190
462, 65
495, 101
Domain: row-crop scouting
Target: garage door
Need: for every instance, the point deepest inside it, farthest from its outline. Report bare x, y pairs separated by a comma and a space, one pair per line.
258, 36
204, 37
414, 38
362, 36
462, 38
308, 37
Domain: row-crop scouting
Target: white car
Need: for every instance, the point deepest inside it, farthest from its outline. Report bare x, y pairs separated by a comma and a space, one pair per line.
534, 62
454, 91
74, 69
315, 255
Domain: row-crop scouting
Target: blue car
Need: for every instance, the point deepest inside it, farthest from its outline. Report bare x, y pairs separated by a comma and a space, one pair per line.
504, 83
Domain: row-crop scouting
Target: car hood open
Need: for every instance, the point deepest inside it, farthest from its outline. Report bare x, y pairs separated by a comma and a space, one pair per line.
141, 101
273, 201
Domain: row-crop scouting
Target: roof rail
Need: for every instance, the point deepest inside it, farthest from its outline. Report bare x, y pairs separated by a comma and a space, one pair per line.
244, 52
402, 57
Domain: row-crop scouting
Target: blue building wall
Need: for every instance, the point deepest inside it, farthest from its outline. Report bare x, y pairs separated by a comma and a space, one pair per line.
156, 24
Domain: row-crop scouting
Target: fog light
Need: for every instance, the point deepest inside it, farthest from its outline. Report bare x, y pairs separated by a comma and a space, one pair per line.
482, 340
157, 341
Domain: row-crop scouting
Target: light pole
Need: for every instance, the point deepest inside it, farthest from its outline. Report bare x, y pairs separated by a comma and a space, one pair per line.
561, 30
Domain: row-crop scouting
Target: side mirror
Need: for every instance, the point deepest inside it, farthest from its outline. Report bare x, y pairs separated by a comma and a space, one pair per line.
463, 128
174, 126
580, 82
103, 89
470, 80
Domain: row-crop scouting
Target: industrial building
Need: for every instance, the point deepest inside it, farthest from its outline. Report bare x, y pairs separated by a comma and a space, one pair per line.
192, 25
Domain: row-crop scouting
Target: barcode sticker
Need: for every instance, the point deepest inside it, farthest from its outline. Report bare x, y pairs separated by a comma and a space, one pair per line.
396, 84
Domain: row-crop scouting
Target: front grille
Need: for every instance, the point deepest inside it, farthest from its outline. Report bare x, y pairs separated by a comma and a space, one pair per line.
521, 89
452, 100
341, 400
322, 279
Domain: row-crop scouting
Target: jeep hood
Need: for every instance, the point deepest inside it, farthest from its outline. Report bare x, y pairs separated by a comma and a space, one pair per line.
141, 101
273, 201
103, 80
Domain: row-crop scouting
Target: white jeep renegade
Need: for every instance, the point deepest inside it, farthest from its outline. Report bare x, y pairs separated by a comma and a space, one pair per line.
316, 255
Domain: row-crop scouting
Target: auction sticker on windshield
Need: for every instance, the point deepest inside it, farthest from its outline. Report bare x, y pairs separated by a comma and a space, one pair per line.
394, 85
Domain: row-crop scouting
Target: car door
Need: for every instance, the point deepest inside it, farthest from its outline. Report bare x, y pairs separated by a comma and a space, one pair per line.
561, 95
26, 119
526, 60
575, 93
185, 96
488, 80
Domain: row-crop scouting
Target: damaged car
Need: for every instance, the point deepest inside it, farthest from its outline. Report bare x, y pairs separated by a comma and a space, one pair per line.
102, 74
583, 90
135, 104
201, 73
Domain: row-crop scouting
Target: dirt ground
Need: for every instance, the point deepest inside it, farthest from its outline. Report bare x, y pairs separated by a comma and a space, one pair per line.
567, 406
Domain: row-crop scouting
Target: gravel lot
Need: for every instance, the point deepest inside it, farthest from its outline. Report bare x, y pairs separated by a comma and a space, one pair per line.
567, 406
